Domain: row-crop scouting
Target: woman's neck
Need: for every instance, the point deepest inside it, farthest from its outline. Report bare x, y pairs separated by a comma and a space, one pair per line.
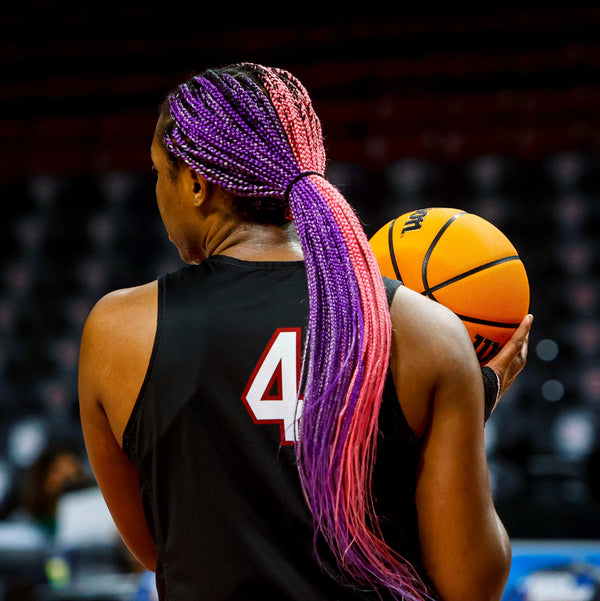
260, 242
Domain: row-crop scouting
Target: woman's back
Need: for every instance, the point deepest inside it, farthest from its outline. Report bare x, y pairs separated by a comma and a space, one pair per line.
217, 467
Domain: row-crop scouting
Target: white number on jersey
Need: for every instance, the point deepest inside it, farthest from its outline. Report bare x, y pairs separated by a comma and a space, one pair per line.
271, 395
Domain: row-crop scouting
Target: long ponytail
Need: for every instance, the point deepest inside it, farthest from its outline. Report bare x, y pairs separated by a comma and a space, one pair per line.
252, 130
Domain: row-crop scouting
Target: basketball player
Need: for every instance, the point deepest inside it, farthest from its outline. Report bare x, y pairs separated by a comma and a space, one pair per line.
275, 420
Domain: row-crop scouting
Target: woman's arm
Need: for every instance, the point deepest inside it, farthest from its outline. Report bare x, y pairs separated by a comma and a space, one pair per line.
465, 548
115, 350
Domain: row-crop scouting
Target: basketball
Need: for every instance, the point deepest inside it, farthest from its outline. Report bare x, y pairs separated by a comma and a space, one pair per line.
463, 262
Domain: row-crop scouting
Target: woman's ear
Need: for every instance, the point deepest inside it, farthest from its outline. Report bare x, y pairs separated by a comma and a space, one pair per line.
200, 188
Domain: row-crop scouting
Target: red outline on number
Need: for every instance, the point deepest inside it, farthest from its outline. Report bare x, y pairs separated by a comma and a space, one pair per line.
256, 369
276, 380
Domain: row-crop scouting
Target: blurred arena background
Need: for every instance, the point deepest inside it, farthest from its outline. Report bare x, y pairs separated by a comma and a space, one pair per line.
495, 111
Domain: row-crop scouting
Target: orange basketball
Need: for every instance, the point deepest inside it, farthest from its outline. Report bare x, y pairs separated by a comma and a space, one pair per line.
463, 262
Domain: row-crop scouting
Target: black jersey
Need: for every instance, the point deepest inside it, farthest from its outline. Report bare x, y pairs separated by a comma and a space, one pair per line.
212, 433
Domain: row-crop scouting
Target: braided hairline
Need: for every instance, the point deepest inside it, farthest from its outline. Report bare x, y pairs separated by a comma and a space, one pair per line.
214, 132
209, 142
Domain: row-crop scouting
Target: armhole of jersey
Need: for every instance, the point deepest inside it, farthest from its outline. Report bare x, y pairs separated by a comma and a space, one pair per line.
129, 432
397, 413
391, 286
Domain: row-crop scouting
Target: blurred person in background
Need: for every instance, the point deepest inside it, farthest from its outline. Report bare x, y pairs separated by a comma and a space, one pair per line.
58, 469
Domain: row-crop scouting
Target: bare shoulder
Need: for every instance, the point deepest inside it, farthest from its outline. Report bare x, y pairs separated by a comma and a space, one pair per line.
120, 323
429, 344
114, 313
116, 347
421, 322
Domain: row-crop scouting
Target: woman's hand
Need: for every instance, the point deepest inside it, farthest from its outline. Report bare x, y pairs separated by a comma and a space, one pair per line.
511, 359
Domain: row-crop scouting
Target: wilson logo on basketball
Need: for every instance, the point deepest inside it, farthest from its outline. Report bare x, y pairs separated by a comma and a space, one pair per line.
414, 221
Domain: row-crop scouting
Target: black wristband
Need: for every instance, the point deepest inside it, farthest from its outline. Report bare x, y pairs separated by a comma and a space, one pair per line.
491, 388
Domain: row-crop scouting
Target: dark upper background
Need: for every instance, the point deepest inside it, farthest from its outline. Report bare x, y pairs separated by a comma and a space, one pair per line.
493, 110
446, 86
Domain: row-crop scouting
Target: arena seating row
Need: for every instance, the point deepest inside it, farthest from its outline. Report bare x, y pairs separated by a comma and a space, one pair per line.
385, 88
371, 132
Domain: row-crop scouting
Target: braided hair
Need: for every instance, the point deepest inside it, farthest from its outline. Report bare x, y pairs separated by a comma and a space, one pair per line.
252, 130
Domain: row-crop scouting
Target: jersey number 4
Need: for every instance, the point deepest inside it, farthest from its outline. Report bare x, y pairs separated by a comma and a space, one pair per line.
271, 395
